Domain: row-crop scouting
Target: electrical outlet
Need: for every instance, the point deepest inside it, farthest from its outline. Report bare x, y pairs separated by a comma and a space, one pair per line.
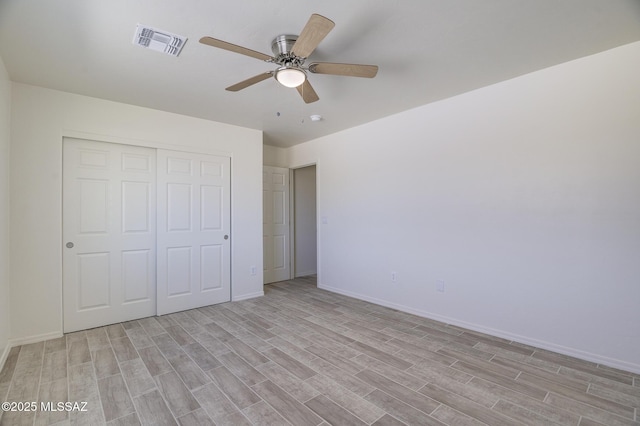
440, 286
394, 277
253, 270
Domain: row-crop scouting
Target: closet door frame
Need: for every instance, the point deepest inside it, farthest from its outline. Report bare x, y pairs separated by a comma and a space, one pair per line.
70, 134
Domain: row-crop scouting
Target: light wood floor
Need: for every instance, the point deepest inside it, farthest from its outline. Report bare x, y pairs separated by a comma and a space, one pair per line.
303, 356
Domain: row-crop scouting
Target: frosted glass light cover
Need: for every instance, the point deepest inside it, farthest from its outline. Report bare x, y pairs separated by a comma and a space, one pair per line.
290, 77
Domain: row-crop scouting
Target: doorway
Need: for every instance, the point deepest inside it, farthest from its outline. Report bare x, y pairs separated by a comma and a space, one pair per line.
289, 223
305, 228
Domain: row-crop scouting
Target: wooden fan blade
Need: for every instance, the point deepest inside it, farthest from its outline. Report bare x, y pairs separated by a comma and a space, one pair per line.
235, 48
350, 70
306, 91
250, 81
312, 34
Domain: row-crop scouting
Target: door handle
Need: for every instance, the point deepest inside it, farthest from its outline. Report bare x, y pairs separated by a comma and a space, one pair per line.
226, 237
69, 244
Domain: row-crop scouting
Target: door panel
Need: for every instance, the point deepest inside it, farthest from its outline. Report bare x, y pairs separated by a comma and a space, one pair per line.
178, 271
211, 265
137, 282
211, 200
135, 205
194, 262
276, 224
279, 251
109, 219
179, 215
94, 281
94, 206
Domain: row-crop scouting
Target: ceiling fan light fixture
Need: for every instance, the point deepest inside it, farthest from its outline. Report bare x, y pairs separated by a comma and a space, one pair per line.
290, 76
289, 54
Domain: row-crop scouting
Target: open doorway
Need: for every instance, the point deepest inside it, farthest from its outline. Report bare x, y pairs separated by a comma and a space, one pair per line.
305, 229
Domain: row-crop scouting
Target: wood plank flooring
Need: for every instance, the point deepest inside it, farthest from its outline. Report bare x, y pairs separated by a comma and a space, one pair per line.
303, 356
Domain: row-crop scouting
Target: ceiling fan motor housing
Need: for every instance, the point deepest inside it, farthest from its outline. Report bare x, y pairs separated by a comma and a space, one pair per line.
282, 44
281, 47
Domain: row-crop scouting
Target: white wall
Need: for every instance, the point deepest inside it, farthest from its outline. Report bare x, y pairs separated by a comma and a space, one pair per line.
5, 119
305, 221
524, 197
274, 156
40, 119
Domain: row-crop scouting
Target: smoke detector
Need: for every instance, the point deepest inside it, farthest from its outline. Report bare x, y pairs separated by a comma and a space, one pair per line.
158, 40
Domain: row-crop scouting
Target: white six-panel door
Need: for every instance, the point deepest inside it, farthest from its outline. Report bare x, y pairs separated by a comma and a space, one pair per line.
193, 230
275, 214
117, 264
109, 232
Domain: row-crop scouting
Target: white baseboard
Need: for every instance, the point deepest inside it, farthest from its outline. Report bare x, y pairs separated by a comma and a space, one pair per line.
4, 355
25, 341
577, 353
35, 339
247, 296
305, 273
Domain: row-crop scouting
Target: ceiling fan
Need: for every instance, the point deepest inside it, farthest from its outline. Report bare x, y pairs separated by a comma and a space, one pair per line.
289, 53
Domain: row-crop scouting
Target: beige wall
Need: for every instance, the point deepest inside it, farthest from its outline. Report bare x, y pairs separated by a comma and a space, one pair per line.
40, 119
524, 197
305, 222
274, 156
5, 119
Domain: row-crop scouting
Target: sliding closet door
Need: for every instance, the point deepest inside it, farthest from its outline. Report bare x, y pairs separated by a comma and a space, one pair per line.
193, 237
109, 233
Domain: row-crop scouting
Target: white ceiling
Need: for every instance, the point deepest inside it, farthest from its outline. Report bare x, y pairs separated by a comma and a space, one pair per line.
427, 50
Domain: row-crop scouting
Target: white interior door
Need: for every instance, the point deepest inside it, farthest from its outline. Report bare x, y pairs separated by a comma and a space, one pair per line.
275, 199
109, 230
194, 262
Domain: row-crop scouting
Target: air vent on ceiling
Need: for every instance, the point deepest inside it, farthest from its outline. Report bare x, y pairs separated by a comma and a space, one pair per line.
158, 40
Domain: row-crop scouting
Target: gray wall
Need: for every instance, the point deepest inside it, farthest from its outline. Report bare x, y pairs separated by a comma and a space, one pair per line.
305, 221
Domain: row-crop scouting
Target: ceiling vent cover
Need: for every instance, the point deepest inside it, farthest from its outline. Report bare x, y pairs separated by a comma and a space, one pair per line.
158, 40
